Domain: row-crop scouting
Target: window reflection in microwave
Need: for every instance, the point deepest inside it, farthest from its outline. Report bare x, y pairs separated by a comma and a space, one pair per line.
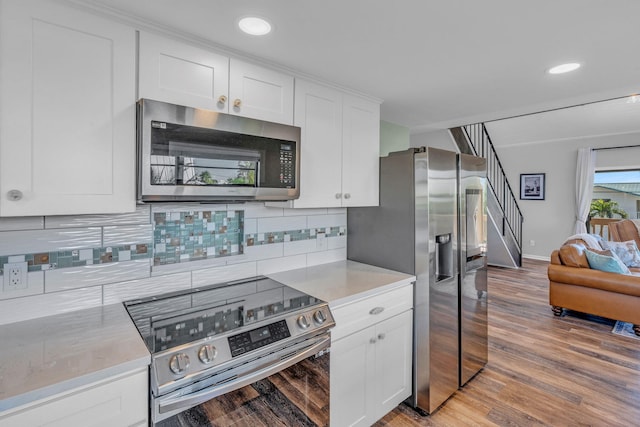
178, 170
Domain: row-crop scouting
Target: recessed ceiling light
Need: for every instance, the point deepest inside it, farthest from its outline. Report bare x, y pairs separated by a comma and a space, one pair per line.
564, 68
254, 26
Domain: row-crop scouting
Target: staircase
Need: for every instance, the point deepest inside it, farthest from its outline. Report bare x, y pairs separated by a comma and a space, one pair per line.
504, 237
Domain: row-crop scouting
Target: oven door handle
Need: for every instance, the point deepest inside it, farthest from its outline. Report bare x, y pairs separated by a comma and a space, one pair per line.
196, 398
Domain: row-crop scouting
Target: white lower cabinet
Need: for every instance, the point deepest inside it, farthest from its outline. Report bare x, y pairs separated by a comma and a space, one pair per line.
119, 401
371, 368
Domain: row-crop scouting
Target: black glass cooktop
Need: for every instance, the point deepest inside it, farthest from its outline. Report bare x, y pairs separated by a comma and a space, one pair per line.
173, 319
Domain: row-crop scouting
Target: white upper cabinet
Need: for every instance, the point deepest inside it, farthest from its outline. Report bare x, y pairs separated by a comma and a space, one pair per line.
175, 72
318, 113
340, 148
67, 123
260, 93
360, 152
179, 73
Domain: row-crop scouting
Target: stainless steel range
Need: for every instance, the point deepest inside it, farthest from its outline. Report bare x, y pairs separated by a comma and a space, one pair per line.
208, 342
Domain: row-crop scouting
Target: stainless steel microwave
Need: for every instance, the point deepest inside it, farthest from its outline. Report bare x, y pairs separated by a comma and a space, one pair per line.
191, 154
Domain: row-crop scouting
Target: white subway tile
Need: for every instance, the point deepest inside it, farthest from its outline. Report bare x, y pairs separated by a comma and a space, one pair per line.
96, 274
319, 221
266, 225
24, 242
297, 212
157, 270
123, 291
225, 273
254, 253
256, 210
300, 247
127, 235
35, 286
324, 257
140, 216
13, 223
336, 242
250, 226
281, 264
18, 309
341, 211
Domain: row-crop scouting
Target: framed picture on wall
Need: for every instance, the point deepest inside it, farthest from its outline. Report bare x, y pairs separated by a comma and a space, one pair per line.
532, 186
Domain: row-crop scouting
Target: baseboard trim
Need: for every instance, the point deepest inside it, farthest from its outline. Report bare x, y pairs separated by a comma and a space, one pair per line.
536, 257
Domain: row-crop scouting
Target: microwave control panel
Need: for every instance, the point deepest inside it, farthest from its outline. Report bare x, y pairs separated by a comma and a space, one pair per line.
287, 159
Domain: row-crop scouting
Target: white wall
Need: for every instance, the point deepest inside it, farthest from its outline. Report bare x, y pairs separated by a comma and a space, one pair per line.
393, 137
437, 139
548, 222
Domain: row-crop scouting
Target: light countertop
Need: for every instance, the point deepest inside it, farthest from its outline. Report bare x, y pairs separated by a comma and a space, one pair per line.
343, 282
50, 355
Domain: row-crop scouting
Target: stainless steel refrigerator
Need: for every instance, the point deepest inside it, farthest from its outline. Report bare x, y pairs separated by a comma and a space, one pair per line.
415, 231
472, 181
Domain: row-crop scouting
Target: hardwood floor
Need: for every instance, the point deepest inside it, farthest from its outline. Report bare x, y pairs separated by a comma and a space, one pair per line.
542, 370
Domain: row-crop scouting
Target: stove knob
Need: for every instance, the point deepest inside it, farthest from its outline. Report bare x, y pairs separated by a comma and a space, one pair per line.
319, 317
179, 363
207, 353
303, 322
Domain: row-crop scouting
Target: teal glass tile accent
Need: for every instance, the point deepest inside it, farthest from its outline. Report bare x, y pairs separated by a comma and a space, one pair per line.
197, 235
177, 237
257, 239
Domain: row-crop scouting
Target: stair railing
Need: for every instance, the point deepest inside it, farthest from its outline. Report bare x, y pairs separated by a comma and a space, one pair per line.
481, 144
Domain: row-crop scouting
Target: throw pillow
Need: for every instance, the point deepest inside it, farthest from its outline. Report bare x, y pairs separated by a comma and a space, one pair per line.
610, 264
626, 251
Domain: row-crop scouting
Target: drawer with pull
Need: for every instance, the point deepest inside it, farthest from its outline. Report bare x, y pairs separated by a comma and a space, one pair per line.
354, 316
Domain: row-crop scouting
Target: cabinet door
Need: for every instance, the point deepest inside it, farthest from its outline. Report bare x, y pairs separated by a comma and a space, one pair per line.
352, 365
178, 73
318, 112
260, 93
119, 402
67, 127
393, 362
360, 152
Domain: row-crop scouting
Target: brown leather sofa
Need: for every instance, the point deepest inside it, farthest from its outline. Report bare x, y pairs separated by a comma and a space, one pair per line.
575, 286
623, 231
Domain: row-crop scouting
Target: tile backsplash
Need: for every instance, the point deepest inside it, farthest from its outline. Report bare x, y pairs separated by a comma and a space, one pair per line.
77, 262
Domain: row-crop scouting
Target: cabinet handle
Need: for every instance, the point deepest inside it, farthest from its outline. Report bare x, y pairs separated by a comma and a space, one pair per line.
237, 103
381, 336
347, 195
372, 340
376, 310
338, 195
14, 195
222, 100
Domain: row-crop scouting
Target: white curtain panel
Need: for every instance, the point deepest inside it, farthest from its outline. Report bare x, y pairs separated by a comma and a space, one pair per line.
584, 187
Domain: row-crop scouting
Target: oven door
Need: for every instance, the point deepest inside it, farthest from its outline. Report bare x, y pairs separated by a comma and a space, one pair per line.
289, 386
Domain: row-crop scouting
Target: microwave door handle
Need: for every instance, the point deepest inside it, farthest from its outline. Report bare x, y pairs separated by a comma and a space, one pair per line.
193, 399
257, 183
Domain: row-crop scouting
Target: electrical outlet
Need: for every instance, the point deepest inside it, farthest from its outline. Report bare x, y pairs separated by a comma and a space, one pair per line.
321, 241
15, 276
532, 242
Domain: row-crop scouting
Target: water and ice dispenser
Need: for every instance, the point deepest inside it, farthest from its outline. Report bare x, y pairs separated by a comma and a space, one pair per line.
444, 257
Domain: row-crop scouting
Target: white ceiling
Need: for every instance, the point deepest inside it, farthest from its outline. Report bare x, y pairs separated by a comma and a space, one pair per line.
612, 117
434, 63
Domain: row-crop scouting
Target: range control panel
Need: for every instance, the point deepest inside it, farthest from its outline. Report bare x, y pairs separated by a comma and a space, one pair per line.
259, 337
